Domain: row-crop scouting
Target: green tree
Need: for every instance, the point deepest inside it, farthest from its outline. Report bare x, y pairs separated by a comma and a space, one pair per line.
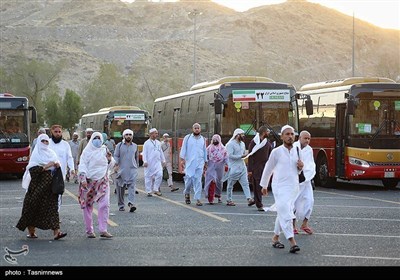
71, 108
53, 105
34, 79
104, 90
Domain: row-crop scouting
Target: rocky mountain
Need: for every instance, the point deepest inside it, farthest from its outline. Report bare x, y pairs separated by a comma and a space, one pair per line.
295, 42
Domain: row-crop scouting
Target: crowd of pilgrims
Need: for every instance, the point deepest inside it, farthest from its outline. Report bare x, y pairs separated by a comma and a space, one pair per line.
96, 162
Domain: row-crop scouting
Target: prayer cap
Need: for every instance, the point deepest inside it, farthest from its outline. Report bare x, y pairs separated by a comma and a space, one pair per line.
153, 130
286, 127
127, 131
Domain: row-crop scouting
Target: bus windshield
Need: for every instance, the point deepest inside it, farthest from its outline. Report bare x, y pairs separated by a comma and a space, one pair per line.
249, 118
377, 117
13, 130
119, 125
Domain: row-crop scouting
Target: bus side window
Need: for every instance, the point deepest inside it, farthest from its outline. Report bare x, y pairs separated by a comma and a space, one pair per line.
189, 104
183, 106
200, 105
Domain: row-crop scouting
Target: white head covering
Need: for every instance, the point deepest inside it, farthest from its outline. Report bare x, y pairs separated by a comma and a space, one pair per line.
258, 144
93, 161
153, 130
286, 127
42, 154
89, 129
165, 135
235, 133
42, 130
127, 131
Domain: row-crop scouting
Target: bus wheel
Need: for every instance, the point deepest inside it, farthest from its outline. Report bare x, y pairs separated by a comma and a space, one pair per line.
322, 178
390, 183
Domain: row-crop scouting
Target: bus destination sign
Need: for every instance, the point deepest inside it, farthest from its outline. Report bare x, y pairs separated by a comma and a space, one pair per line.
261, 95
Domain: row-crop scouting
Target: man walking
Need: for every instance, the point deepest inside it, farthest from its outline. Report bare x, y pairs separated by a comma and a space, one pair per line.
153, 162
193, 157
84, 141
126, 158
166, 148
305, 200
63, 152
237, 170
259, 151
285, 164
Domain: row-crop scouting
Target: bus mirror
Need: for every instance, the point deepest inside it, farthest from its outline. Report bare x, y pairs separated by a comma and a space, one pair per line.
309, 107
34, 118
350, 107
218, 106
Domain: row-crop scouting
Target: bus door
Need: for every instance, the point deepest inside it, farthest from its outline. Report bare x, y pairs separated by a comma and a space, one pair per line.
340, 139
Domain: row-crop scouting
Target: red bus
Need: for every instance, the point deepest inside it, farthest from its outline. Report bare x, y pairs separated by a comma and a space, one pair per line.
355, 129
221, 106
15, 119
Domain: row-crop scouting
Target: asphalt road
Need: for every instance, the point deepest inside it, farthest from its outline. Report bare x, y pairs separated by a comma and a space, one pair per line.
355, 225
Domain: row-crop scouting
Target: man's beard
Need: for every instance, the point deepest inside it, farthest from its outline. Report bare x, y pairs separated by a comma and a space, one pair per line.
88, 137
128, 140
196, 133
56, 139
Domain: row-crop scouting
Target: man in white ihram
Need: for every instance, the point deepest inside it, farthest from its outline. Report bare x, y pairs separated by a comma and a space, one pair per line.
153, 162
305, 200
285, 165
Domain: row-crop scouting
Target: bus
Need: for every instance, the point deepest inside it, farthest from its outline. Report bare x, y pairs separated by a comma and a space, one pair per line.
355, 129
221, 106
114, 120
15, 119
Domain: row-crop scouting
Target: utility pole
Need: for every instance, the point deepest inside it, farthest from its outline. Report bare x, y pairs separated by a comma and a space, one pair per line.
352, 57
194, 14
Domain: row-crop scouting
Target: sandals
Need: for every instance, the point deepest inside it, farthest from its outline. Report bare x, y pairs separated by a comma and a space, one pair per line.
307, 230
230, 203
187, 198
278, 245
32, 236
198, 203
60, 235
173, 189
91, 235
294, 249
106, 234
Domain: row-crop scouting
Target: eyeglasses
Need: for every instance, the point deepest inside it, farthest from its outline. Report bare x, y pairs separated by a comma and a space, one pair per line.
128, 134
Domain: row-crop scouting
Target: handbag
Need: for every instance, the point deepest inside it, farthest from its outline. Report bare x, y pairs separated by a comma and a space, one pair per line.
165, 174
302, 178
57, 183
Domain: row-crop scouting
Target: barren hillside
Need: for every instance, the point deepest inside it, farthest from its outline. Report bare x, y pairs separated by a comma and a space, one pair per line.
296, 42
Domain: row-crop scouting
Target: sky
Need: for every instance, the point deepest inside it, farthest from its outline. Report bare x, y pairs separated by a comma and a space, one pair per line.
382, 13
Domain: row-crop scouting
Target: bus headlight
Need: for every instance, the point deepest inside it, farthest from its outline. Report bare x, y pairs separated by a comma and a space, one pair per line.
359, 162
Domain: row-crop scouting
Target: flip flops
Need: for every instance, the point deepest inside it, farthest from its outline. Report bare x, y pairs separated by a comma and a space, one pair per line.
307, 230
60, 235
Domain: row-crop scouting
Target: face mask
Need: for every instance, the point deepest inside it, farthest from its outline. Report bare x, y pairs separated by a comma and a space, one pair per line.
215, 142
97, 143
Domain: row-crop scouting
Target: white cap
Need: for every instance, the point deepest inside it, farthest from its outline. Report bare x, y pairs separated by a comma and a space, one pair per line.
89, 129
127, 131
165, 135
286, 127
153, 130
